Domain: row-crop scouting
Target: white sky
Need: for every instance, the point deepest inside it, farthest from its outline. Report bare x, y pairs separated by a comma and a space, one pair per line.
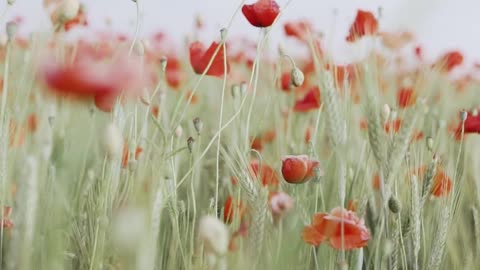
439, 24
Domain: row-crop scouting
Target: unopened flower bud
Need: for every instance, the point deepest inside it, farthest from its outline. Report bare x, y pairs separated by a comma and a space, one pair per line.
429, 142
11, 30
213, 235
475, 112
223, 34
243, 88
386, 112
178, 132
394, 205
163, 63
190, 142
112, 141
297, 77
69, 9
198, 125
463, 115
10, 2
235, 90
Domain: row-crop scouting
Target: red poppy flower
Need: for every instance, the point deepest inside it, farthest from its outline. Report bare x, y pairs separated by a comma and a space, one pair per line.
406, 97
299, 29
89, 76
328, 227
376, 182
257, 143
6, 222
419, 52
298, 169
262, 13
174, 73
286, 81
393, 126
365, 24
233, 209
311, 101
268, 175
450, 60
126, 154
200, 57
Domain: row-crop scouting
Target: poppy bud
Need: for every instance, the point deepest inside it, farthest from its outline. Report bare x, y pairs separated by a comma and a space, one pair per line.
243, 88
198, 124
11, 30
223, 34
294, 168
394, 204
178, 132
463, 115
190, 142
213, 235
112, 141
163, 63
429, 142
474, 112
297, 77
69, 9
386, 112
235, 90
10, 2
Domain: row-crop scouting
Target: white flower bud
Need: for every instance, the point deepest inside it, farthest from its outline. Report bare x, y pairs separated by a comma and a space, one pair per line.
213, 235
386, 112
198, 125
179, 132
429, 142
112, 141
297, 77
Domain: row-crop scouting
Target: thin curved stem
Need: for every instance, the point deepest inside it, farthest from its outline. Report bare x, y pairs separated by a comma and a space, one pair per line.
137, 26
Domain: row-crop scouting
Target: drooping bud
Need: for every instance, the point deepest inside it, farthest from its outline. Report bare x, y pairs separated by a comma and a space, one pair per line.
198, 125
297, 77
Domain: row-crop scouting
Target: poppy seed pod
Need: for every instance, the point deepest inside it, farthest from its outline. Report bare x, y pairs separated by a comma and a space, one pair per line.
198, 125
190, 142
163, 63
11, 30
223, 34
297, 77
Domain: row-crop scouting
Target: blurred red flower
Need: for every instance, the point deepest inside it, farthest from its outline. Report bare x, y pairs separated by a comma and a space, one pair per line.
299, 29
365, 24
298, 169
328, 227
310, 101
406, 97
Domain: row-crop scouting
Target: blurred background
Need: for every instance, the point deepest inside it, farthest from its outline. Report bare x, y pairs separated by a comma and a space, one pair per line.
438, 25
